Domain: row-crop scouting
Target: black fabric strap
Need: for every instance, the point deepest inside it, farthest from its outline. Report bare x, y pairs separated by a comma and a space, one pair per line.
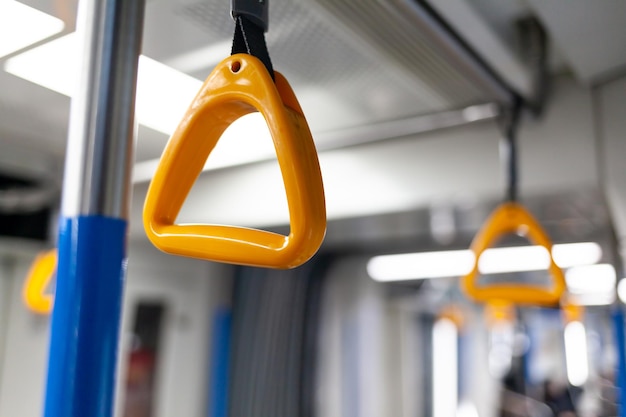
511, 123
249, 39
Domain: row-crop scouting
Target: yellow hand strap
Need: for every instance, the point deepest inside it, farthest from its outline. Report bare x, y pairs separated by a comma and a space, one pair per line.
237, 86
39, 276
513, 218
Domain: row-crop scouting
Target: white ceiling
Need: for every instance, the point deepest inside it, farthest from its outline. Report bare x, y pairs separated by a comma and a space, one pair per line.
590, 35
339, 85
342, 78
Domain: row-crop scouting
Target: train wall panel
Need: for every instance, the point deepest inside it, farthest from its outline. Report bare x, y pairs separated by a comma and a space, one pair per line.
611, 102
191, 292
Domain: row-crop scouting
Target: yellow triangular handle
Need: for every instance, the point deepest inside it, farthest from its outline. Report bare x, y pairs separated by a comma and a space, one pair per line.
39, 276
237, 86
513, 218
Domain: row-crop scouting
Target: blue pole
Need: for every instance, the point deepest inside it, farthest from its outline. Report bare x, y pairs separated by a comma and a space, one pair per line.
86, 317
220, 363
620, 344
92, 231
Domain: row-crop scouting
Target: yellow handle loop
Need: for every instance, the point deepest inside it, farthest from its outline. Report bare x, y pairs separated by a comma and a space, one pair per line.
39, 276
237, 86
513, 218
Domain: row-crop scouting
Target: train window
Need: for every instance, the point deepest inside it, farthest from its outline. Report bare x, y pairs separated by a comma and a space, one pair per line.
143, 360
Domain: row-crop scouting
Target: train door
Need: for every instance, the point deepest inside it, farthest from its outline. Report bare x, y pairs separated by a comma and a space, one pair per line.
165, 344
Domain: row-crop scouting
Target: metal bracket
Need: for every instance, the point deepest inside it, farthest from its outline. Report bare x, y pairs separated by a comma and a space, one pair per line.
255, 10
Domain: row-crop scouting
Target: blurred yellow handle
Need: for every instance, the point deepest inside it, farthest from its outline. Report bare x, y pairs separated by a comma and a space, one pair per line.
237, 86
39, 276
513, 218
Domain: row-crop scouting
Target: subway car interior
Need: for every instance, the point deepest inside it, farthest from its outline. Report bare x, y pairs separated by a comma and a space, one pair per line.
314, 208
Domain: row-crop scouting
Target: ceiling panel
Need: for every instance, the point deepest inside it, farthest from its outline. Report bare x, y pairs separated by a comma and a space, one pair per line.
591, 35
341, 77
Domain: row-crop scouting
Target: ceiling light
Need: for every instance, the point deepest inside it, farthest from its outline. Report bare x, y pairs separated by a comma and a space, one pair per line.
445, 368
576, 353
621, 290
21, 26
442, 264
163, 96
593, 299
408, 266
588, 279
591, 284
576, 254
516, 259
53, 65
163, 93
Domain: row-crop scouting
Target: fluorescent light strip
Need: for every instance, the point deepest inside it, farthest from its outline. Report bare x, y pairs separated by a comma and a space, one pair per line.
517, 259
22, 25
163, 94
576, 353
410, 266
600, 278
445, 368
576, 254
592, 284
621, 290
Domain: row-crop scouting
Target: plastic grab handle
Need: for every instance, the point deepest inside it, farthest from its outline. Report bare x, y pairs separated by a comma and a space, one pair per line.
39, 276
513, 218
237, 86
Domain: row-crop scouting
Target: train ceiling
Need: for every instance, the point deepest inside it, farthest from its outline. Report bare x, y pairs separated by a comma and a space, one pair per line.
351, 63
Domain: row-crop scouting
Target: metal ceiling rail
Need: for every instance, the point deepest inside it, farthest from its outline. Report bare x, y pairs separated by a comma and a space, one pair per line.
461, 55
395, 129
365, 134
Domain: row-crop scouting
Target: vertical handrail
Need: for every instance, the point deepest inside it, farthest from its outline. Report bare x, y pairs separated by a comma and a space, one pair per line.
93, 226
620, 346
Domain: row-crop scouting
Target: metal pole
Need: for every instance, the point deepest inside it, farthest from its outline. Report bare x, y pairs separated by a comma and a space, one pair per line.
93, 224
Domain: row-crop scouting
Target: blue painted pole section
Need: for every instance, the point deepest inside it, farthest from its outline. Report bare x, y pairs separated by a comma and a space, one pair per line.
463, 348
620, 344
86, 317
220, 361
